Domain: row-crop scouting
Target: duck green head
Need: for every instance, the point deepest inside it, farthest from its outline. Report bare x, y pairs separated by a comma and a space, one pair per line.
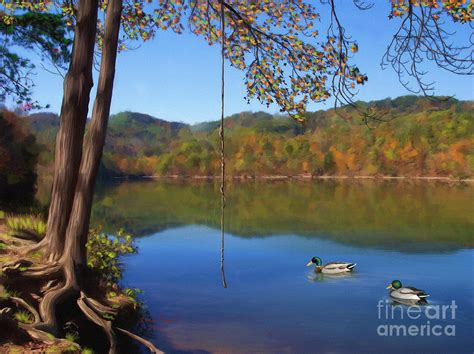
396, 284
315, 260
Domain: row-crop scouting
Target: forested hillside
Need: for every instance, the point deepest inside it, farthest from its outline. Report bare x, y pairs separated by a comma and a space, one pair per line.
418, 137
18, 157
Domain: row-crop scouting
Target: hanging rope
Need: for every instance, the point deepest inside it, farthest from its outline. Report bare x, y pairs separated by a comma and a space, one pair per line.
221, 135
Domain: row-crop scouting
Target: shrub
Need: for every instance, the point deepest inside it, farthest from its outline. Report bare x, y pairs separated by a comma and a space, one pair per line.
104, 252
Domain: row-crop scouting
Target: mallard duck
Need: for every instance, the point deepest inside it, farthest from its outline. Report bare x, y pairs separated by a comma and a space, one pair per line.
407, 293
331, 268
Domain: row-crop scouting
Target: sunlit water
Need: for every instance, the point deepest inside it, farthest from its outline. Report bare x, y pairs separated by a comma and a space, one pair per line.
420, 233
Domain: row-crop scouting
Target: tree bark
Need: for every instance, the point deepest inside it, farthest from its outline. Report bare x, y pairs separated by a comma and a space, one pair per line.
78, 228
73, 117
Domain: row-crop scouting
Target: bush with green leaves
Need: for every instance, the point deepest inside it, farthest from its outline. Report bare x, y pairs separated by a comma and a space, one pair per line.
104, 252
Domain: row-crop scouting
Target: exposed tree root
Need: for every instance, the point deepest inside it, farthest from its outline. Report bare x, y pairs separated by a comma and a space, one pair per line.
33, 247
141, 340
104, 324
46, 337
5, 311
50, 286
15, 244
44, 272
26, 268
15, 267
98, 307
52, 298
28, 307
27, 235
35, 333
54, 283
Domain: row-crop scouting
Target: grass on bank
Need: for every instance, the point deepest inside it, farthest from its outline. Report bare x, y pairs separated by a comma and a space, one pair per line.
32, 224
23, 317
104, 252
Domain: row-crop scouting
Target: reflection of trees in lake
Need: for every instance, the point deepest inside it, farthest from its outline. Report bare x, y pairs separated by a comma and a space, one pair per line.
390, 214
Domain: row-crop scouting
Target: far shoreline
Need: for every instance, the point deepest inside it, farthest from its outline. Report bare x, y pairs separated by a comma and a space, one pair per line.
304, 177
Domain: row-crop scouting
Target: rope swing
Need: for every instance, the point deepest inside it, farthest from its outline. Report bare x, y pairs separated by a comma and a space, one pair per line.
221, 135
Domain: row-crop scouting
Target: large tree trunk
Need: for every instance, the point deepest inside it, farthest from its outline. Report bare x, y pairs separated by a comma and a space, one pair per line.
73, 188
69, 139
78, 228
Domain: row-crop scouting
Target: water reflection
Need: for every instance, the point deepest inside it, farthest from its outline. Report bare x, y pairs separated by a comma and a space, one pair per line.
272, 306
320, 277
391, 230
408, 216
419, 232
223, 205
406, 302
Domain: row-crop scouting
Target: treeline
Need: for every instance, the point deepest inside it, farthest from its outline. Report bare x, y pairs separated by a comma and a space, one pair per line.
18, 158
418, 137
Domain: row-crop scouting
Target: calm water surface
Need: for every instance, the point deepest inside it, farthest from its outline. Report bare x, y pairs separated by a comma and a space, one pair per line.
420, 233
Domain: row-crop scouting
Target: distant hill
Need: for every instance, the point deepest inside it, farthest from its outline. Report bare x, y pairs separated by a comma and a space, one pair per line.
42, 121
419, 138
44, 126
129, 132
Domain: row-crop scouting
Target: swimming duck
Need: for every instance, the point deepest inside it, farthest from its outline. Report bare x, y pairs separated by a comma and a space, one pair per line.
398, 292
331, 268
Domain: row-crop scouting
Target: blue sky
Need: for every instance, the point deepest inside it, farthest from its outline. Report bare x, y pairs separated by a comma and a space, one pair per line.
177, 77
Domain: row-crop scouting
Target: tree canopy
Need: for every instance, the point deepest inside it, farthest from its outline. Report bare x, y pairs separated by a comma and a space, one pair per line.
44, 33
287, 55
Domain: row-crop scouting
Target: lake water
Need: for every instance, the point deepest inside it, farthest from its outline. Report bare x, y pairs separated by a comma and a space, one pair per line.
420, 233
